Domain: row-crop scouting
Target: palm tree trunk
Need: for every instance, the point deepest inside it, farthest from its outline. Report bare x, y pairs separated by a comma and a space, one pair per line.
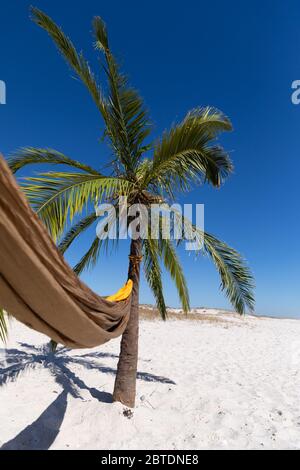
125, 384
53, 346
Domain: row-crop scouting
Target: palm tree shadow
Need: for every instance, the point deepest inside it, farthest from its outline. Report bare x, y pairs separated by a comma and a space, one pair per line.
19, 361
41, 434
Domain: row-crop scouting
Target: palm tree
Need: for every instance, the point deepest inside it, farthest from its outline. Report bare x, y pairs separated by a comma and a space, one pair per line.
186, 156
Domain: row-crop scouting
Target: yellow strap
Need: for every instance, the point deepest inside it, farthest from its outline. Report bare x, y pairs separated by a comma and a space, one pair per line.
123, 293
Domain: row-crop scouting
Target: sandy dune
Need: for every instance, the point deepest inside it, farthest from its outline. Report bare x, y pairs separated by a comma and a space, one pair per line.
229, 383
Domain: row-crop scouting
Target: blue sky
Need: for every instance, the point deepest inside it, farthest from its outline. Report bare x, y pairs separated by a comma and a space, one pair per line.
240, 57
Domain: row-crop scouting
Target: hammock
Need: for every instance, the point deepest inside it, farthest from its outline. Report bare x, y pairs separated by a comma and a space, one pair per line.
40, 289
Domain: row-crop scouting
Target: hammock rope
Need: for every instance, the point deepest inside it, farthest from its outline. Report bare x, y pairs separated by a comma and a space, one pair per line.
135, 260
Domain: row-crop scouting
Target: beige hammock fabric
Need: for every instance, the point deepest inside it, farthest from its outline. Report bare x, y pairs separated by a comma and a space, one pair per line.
39, 288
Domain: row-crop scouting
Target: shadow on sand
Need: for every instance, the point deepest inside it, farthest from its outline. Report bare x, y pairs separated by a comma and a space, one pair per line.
41, 434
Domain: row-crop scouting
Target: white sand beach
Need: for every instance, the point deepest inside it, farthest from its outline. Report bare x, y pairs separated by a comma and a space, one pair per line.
219, 383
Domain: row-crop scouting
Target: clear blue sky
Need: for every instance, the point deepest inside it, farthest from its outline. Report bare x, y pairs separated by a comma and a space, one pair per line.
238, 56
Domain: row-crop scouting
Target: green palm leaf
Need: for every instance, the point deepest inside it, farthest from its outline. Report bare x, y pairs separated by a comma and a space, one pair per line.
236, 278
74, 59
173, 266
153, 274
90, 258
59, 196
76, 231
30, 155
187, 153
128, 121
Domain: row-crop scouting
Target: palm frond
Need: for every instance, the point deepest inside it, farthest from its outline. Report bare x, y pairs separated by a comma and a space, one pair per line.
30, 155
101, 34
74, 59
128, 122
12, 373
236, 278
188, 154
59, 196
90, 258
76, 231
173, 266
153, 274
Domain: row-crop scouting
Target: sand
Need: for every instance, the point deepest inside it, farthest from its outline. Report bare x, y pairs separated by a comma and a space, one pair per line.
222, 382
